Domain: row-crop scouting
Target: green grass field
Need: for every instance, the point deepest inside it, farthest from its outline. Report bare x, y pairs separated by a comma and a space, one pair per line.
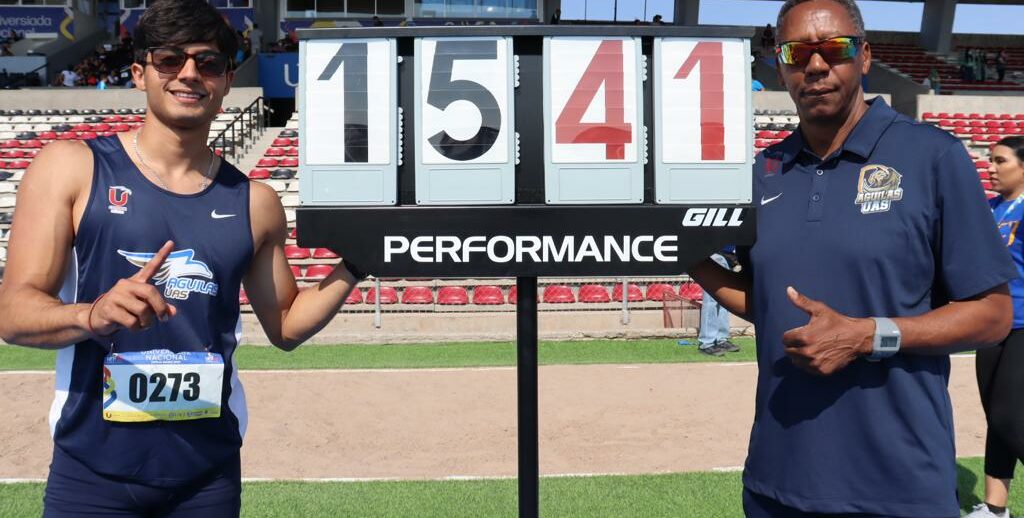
466, 354
707, 495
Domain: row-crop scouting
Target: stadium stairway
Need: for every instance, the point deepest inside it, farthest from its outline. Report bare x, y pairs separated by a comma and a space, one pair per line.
256, 150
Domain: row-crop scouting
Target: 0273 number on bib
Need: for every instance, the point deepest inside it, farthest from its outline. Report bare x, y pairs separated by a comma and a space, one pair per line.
160, 385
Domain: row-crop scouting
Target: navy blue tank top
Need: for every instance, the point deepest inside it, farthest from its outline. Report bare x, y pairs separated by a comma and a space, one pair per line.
126, 220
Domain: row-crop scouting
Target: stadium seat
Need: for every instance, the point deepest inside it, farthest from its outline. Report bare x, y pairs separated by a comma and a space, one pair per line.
293, 234
281, 142
513, 295
488, 295
388, 295
274, 152
295, 252
259, 174
319, 271
297, 272
634, 293
453, 296
289, 162
418, 295
267, 162
558, 294
656, 291
243, 299
324, 253
594, 293
692, 292
354, 297
282, 174
18, 164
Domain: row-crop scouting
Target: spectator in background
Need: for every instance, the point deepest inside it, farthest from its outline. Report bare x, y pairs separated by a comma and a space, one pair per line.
768, 37
935, 81
657, 20
714, 322
967, 65
377, 22
1000, 369
755, 85
981, 65
556, 17
1001, 59
256, 38
69, 77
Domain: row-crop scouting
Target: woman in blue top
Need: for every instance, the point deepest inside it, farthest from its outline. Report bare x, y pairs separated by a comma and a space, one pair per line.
1000, 369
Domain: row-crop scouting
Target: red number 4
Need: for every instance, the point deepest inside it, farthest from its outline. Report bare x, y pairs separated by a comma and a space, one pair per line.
605, 68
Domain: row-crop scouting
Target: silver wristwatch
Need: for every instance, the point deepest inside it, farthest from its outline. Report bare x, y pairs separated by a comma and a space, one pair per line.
887, 339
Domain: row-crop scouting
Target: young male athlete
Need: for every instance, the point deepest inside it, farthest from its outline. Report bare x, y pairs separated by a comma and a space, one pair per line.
147, 237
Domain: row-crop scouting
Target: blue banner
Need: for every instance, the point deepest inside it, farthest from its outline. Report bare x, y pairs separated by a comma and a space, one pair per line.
279, 74
43, 20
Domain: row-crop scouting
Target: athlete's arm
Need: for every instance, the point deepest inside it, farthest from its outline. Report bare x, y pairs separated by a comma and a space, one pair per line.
51, 201
831, 340
289, 316
731, 289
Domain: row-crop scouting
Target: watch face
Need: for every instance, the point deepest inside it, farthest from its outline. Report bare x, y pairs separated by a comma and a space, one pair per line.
889, 342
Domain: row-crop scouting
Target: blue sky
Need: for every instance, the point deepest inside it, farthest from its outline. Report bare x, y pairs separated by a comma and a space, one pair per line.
878, 15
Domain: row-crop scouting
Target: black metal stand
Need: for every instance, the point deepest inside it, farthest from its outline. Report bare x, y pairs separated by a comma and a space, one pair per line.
526, 346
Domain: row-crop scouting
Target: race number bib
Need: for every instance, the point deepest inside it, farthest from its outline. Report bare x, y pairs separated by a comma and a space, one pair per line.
160, 385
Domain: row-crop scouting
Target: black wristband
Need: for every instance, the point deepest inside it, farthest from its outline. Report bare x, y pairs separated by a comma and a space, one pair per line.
356, 272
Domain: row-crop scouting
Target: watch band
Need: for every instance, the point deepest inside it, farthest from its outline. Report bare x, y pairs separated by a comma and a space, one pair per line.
887, 339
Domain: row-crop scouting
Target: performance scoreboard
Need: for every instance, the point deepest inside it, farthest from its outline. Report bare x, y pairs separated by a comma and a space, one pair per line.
525, 150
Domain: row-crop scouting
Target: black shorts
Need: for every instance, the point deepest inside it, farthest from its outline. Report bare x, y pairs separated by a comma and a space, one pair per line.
73, 490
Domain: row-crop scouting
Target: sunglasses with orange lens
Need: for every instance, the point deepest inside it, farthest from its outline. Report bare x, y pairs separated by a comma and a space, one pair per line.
170, 60
833, 50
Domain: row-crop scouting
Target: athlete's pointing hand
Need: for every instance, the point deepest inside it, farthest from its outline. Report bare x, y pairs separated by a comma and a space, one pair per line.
132, 303
829, 341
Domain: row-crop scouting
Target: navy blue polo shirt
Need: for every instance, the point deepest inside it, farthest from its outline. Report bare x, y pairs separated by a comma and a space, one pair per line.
893, 224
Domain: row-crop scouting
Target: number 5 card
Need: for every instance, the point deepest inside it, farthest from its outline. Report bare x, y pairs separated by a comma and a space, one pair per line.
465, 136
593, 112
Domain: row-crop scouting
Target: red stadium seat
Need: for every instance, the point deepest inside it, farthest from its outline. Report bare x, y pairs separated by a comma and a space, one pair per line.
418, 295
513, 295
243, 299
293, 234
259, 174
281, 142
47, 135
453, 296
81, 127
12, 153
267, 162
295, 252
289, 162
112, 119
101, 127
388, 295
656, 291
9, 144
292, 151
324, 253
691, 291
31, 144
86, 135
558, 294
18, 164
297, 272
928, 115
67, 135
274, 152
319, 271
594, 293
354, 297
132, 118
121, 127
488, 295
634, 293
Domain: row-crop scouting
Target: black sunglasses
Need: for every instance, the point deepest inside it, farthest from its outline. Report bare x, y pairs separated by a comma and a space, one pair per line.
170, 60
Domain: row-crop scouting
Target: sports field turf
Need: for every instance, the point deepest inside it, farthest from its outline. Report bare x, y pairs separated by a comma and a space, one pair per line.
466, 354
705, 495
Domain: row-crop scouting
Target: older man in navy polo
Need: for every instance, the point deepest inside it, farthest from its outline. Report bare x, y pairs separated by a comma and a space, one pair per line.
869, 225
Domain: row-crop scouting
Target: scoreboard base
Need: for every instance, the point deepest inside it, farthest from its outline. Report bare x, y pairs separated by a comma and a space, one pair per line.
525, 240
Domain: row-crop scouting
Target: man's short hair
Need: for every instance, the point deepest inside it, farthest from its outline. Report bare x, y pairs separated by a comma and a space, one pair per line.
180, 22
849, 5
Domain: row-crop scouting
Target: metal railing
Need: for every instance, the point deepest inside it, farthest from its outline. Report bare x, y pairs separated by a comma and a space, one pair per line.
242, 132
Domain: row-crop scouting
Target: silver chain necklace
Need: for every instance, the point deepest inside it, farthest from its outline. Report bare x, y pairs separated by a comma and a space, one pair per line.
202, 185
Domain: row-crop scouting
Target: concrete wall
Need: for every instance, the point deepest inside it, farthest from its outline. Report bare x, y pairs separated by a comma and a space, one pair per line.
61, 98
969, 104
904, 91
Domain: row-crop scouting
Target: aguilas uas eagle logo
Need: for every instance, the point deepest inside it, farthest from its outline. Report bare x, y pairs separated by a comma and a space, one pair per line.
878, 187
178, 274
